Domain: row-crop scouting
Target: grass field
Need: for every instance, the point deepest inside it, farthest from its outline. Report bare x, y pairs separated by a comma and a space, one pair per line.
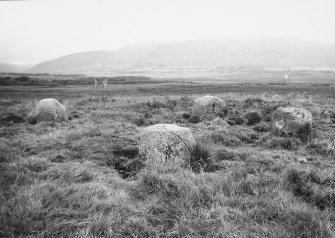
83, 178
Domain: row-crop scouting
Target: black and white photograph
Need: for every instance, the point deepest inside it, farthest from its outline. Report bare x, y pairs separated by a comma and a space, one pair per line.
167, 118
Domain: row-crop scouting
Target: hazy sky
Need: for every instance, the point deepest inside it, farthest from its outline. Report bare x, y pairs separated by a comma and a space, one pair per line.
37, 30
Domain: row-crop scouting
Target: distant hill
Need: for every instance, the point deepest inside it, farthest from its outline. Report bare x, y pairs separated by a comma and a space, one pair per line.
7, 67
273, 52
13, 68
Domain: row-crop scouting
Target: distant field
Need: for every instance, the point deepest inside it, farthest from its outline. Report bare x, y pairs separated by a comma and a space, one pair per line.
39, 86
84, 178
162, 88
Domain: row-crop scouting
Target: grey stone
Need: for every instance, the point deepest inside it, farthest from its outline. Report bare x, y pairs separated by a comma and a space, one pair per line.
166, 146
208, 106
291, 120
48, 109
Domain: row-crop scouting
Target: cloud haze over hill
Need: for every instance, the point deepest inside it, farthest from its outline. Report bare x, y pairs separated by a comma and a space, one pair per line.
39, 30
14, 68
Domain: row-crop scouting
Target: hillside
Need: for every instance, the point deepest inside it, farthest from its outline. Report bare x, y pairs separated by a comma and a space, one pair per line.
7, 67
274, 52
13, 68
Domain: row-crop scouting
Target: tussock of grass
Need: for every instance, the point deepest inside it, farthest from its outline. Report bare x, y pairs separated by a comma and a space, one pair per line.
12, 176
224, 154
262, 127
322, 147
189, 190
253, 118
235, 120
259, 165
253, 102
125, 166
87, 100
297, 223
302, 185
287, 143
179, 195
35, 164
139, 121
305, 133
129, 152
185, 102
8, 132
7, 153
12, 117
167, 103
200, 158
52, 210
83, 133
234, 136
225, 139
69, 174
194, 119
246, 135
229, 111
59, 157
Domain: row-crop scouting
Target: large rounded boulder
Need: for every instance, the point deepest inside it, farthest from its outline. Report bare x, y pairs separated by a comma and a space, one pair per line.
49, 110
291, 120
166, 147
208, 106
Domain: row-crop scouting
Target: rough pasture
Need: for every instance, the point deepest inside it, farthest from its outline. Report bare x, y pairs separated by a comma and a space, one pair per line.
85, 178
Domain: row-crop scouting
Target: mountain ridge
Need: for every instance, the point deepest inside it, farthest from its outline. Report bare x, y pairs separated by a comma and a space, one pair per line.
269, 52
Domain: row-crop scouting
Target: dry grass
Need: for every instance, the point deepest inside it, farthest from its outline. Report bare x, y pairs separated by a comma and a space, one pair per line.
83, 178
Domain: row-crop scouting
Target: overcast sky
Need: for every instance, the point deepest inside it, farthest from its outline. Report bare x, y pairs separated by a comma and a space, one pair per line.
37, 30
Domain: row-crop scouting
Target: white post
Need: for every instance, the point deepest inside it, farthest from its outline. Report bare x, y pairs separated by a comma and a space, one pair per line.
95, 83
